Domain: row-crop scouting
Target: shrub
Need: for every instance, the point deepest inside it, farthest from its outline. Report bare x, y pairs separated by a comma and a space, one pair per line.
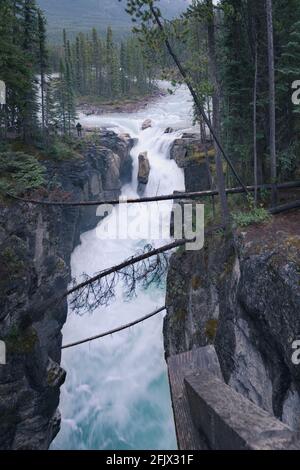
60, 151
256, 215
287, 160
19, 172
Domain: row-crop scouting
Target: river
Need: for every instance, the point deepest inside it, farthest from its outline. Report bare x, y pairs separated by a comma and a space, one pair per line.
116, 395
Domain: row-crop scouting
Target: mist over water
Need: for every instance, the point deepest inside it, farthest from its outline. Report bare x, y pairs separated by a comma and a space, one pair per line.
116, 395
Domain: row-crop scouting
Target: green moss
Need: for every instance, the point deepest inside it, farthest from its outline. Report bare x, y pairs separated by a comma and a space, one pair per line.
11, 260
180, 315
199, 156
21, 342
60, 265
228, 266
11, 264
180, 250
211, 329
196, 282
51, 377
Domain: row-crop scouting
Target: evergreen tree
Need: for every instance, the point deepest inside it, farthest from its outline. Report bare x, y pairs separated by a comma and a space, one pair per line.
109, 62
70, 105
272, 99
29, 102
43, 64
51, 106
61, 99
123, 70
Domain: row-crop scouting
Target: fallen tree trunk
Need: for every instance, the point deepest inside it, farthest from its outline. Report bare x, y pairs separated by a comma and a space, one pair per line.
167, 197
115, 330
285, 207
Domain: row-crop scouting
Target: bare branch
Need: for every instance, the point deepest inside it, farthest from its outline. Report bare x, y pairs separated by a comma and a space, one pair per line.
102, 291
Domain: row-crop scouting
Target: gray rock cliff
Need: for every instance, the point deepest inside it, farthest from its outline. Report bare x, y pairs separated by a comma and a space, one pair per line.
36, 243
241, 294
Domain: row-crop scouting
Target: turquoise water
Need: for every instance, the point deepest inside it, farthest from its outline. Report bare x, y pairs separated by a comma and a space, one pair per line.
116, 395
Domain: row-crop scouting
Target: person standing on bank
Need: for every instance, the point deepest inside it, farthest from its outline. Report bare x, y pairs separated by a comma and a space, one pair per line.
79, 129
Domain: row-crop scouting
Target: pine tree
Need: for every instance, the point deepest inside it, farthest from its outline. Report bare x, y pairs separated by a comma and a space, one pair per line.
78, 73
123, 69
83, 54
105, 69
64, 97
51, 106
61, 99
109, 62
43, 63
272, 99
70, 98
29, 103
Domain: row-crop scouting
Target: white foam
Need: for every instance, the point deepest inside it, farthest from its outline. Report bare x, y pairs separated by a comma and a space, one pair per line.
116, 394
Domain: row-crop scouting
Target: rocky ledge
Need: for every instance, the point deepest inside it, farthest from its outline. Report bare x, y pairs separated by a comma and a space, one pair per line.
197, 160
35, 248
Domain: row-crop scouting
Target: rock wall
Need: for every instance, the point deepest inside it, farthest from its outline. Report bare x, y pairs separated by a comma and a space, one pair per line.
35, 248
189, 154
241, 293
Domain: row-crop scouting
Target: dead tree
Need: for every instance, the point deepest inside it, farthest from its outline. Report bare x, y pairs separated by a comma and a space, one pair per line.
216, 107
100, 290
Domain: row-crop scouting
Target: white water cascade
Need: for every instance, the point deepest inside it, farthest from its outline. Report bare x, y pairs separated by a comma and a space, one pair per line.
116, 395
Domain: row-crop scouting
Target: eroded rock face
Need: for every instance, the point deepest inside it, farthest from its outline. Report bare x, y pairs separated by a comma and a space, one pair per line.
192, 298
243, 296
35, 248
189, 154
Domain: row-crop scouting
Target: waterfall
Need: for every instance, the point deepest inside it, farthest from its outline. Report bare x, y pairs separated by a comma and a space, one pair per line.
116, 395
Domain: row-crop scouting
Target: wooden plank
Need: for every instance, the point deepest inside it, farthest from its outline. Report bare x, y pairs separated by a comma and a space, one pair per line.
179, 367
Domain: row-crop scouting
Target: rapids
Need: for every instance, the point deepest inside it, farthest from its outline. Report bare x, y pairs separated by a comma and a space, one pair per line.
116, 395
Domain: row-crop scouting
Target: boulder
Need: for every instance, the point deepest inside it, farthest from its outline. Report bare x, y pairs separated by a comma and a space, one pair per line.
125, 136
169, 130
144, 172
146, 124
144, 168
